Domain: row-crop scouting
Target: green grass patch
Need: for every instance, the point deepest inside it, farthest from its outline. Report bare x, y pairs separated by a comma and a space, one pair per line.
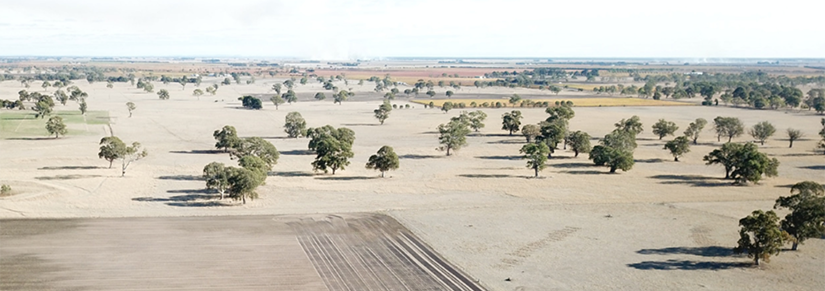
17, 123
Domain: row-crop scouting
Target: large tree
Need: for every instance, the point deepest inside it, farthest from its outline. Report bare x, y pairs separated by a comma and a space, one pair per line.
511, 121
333, 147
111, 149
728, 126
663, 128
615, 150
216, 177
227, 138
56, 126
536, 156
695, 128
295, 125
242, 183
678, 147
760, 236
743, 162
725, 156
807, 217
476, 119
384, 160
579, 142
632, 125
552, 133
258, 147
530, 132
453, 135
762, 131
383, 112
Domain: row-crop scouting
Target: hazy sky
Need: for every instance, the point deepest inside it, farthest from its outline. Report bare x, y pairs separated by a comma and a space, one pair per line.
442, 28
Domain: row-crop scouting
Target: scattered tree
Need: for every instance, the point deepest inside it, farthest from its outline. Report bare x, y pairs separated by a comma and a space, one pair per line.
227, 138
295, 125
197, 93
762, 131
383, 112
476, 119
131, 107
83, 106
384, 160
760, 236
333, 147
163, 94
320, 96
678, 147
664, 128
217, 177
530, 132
632, 125
794, 134
694, 128
536, 156
579, 142
515, 99
743, 162
728, 126
447, 106
250, 102
807, 217
453, 135
56, 126
258, 147
511, 121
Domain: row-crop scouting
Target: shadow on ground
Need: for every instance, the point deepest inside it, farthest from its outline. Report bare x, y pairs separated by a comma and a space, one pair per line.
714, 251
572, 165
182, 178
488, 176
511, 158
297, 153
816, 167
649, 160
692, 180
586, 172
291, 174
360, 124
419, 157
67, 177
333, 178
686, 265
201, 152
507, 141
71, 168
192, 198
30, 138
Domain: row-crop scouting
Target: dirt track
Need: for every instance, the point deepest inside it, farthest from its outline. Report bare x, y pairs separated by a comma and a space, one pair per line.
356, 252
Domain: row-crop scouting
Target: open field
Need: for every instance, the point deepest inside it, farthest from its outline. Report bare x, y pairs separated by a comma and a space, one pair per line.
663, 225
24, 124
353, 252
577, 102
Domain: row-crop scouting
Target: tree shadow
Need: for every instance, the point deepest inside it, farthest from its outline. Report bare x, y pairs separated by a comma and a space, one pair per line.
586, 172
649, 160
360, 124
297, 153
797, 155
713, 251
291, 174
687, 265
181, 178
204, 152
692, 180
511, 158
507, 141
334, 178
572, 165
192, 198
30, 138
499, 135
66, 177
497, 176
278, 137
816, 167
419, 157
71, 168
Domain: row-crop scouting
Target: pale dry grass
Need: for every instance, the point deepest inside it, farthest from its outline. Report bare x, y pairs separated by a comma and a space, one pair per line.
577, 102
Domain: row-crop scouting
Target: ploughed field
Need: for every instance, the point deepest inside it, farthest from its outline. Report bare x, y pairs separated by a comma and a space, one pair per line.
349, 252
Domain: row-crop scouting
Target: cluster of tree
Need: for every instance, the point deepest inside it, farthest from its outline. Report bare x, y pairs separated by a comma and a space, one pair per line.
616, 148
251, 102
762, 234
112, 148
743, 162
255, 156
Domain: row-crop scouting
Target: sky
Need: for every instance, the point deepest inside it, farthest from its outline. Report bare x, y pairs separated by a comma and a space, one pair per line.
358, 29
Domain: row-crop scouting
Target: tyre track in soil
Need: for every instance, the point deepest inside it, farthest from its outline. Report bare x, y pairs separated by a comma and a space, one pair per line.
375, 252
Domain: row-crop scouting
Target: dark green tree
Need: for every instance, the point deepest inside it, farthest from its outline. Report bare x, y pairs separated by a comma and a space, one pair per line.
807, 217
530, 132
695, 128
295, 125
111, 149
663, 128
384, 160
227, 138
56, 126
678, 147
453, 135
728, 126
579, 142
793, 135
511, 121
760, 236
258, 147
383, 112
536, 156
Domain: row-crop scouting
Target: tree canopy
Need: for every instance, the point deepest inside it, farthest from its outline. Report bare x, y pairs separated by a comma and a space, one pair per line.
728, 126
678, 147
384, 160
227, 138
453, 135
695, 128
536, 156
579, 142
807, 217
333, 147
632, 125
762, 131
663, 128
383, 112
56, 126
760, 236
258, 147
743, 162
511, 121
295, 125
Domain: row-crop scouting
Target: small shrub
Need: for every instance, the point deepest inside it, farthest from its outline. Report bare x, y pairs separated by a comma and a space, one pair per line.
432, 105
5, 189
461, 105
485, 104
394, 106
407, 106
498, 104
473, 104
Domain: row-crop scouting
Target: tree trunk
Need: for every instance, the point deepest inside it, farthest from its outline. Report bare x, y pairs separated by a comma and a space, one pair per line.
794, 245
791, 146
727, 173
110, 163
221, 191
694, 141
575, 153
730, 137
612, 169
243, 198
756, 260
511, 132
675, 158
448, 151
130, 114
537, 171
762, 142
56, 135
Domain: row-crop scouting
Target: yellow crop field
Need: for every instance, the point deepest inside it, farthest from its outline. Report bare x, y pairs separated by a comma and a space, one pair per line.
578, 102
